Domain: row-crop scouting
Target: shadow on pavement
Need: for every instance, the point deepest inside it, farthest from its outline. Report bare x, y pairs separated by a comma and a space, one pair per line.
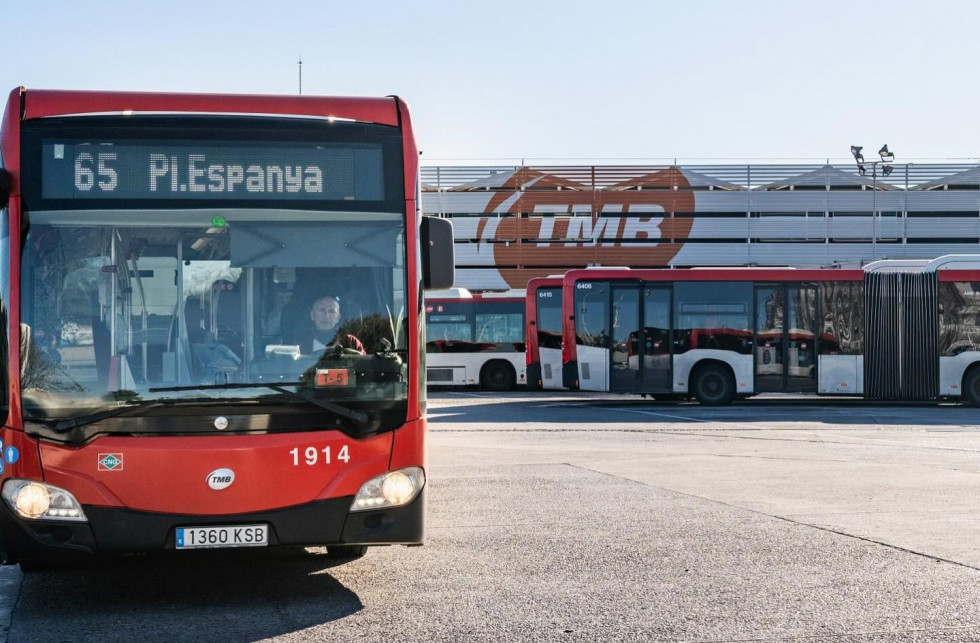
205, 596
564, 408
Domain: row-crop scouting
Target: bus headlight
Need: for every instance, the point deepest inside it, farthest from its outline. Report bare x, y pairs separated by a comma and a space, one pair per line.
392, 489
39, 501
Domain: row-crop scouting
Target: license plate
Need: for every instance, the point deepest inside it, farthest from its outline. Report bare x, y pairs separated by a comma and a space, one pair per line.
223, 536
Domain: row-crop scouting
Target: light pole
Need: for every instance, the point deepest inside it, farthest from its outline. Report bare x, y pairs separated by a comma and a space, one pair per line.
886, 168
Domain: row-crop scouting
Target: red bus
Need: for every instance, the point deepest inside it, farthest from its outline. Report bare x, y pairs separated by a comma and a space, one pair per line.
543, 314
475, 339
174, 382
896, 330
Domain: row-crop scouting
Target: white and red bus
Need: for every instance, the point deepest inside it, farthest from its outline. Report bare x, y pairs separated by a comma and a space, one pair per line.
160, 256
543, 333
895, 330
475, 339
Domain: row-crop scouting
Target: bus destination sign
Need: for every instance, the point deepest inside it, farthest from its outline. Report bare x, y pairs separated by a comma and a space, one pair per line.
198, 170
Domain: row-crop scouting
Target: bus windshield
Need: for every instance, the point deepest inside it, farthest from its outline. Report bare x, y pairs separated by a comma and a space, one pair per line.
186, 306
549, 317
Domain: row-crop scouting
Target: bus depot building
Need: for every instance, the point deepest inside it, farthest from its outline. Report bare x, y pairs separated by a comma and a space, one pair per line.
513, 223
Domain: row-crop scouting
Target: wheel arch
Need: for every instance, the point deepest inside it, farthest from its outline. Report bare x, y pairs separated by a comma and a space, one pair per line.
705, 362
970, 392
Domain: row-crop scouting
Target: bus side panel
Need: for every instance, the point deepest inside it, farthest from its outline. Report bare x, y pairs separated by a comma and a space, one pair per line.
839, 374
551, 368
448, 369
464, 369
593, 368
519, 362
951, 370
172, 474
741, 365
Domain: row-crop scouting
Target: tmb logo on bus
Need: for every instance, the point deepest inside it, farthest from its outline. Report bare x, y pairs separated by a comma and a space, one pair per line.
221, 479
608, 220
110, 462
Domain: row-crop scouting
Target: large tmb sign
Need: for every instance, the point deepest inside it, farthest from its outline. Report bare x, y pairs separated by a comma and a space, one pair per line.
568, 222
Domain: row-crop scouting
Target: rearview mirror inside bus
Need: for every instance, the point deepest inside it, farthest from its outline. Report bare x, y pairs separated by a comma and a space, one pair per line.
438, 258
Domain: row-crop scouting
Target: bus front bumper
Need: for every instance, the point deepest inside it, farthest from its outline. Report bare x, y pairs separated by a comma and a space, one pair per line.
116, 531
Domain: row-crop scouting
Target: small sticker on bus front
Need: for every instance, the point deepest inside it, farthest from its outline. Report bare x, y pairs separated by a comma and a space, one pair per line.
110, 462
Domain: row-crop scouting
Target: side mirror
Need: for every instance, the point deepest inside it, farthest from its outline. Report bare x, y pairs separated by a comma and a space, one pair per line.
438, 256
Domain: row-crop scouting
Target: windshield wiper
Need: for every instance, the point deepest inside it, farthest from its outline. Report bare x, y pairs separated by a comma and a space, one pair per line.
342, 411
66, 425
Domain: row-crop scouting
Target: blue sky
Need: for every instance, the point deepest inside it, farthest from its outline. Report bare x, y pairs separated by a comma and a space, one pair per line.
696, 80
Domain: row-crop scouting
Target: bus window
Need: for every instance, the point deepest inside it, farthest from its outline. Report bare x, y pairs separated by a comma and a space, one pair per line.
712, 315
842, 310
549, 318
592, 314
504, 324
959, 319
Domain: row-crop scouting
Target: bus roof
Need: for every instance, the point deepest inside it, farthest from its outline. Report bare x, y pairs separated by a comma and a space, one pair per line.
514, 293
43, 103
721, 274
544, 282
462, 293
449, 293
537, 282
945, 262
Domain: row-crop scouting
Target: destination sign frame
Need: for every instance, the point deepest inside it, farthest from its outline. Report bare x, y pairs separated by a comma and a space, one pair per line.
113, 161
210, 170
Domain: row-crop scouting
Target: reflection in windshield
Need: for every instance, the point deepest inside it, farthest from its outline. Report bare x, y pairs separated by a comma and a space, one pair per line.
114, 308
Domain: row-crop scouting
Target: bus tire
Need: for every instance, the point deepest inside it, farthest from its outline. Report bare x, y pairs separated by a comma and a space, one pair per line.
498, 375
346, 552
713, 385
971, 385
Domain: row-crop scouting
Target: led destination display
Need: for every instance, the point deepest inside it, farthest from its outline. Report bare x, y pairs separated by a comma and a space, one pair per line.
196, 170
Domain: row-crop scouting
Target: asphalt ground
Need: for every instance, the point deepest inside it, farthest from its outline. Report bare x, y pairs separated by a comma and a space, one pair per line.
558, 517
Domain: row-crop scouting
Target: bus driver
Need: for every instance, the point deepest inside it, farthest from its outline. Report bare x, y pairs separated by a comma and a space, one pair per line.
321, 332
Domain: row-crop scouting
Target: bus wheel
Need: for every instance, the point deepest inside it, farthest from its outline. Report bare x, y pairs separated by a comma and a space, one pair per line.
713, 385
350, 552
498, 375
971, 386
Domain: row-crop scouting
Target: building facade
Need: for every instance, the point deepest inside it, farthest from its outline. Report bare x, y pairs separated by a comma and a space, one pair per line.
512, 223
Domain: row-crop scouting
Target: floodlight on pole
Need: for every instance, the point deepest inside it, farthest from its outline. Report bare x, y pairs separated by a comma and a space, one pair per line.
858, 158
886, 169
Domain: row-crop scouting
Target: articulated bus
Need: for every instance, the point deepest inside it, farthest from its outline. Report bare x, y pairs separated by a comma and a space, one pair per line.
543, 333
475, 339
895, 330
169, 386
